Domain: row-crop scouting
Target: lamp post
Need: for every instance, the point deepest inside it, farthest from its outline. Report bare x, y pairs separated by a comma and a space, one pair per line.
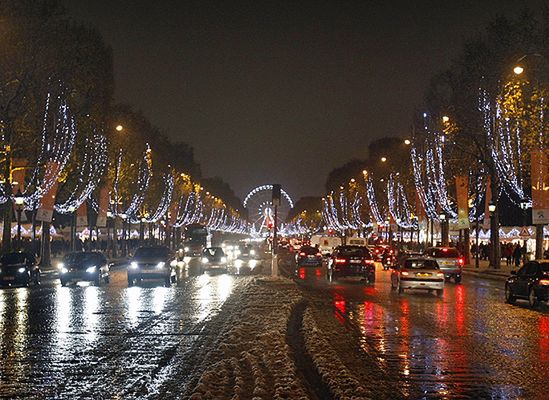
19, 203
493, 250
124, 239
72, 211
444, 234
524, 207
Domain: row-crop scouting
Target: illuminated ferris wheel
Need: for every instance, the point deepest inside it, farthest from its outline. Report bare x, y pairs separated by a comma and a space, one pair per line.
261, 210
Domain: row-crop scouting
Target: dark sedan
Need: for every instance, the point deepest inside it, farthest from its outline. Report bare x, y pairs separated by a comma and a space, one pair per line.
19, 269
308, 256
351, 261
153, 262
531, 283
90, 266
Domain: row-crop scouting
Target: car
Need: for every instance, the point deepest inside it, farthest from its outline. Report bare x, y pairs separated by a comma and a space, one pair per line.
90, 266
214, 258
531, 283
351, 261
308, 256
153, 262
418, 273
449, 261
19, 268
193, 249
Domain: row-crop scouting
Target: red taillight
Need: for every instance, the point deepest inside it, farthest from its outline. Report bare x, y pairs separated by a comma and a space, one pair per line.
461, 261
405, 273
440, 274
302, 254
318, 254
369, 261
544, 282
445, 249
340, 261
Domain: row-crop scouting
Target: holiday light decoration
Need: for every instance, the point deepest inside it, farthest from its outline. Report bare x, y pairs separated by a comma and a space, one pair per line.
399, 207
90, 171
165, 200
56, 147
143, 180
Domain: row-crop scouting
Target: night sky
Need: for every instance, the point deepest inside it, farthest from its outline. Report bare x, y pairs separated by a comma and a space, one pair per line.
281, 92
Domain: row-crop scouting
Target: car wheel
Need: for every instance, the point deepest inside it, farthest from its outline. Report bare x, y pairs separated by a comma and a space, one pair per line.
372, 278
174, 278
532, 298
167, 281
63, 282
130, 280
440, 292
457, 279
400, 289
37, 278
509, 296
98, 280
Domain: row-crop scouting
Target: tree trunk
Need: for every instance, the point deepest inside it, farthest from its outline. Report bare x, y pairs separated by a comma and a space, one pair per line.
467, 245
45, 253
539, 242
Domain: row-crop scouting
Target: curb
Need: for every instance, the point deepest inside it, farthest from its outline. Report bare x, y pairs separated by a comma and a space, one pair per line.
486, 275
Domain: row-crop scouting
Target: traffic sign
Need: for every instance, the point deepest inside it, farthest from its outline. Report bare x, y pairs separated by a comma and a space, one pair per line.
524, 232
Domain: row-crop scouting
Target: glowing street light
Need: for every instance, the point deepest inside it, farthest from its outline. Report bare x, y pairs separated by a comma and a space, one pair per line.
383, 159
445, 119
518, 70
119, 128
407, 142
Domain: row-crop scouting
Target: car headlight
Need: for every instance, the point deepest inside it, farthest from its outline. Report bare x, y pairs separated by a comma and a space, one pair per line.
238, 263
252, 252
64, 270
133, 265
205, 260
186, 249
252, 264
91, 270
22, 270
223, 259
160, 265
60, 265
173, 263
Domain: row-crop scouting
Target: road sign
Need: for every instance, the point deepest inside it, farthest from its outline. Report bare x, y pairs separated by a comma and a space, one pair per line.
524, 232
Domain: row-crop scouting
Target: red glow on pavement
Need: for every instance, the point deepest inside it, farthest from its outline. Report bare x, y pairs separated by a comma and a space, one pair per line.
302, 273
543, 326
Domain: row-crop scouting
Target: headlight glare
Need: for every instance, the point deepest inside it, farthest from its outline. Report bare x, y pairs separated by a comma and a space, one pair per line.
64, 270
91, 270
22, 270
60, 265
205, 260
223, 259
160, 265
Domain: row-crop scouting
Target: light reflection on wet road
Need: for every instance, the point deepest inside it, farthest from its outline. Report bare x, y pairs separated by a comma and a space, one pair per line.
102, 342
468, 344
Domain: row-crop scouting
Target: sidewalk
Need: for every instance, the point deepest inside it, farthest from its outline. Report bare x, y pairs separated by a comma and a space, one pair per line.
488, 272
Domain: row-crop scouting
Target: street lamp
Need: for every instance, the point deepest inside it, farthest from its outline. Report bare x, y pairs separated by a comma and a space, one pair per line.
19, 203
524, 205
445, 119
383, 159
407, 142
72, 211
492, 207
518, 70
444, 231
119, 128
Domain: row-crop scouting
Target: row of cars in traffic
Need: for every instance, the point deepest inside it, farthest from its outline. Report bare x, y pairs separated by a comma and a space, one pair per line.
428, 270
148, 262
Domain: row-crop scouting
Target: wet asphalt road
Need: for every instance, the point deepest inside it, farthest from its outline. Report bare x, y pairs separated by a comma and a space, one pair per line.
467, 344
103, 342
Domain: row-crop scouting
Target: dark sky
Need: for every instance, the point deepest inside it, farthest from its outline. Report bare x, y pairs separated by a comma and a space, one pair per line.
277, 91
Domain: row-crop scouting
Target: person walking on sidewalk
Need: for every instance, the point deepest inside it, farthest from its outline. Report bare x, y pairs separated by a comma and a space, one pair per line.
517, 254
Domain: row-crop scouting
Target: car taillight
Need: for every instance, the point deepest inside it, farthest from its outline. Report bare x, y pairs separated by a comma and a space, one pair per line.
340, 261
461, 261
318, 254
405, 273
544, 282
369, 261
302, 254
440, 274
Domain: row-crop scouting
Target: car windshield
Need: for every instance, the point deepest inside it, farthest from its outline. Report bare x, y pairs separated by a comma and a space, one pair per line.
151, 252
420, 264
445, 252
214, 252
83, 259
13, 258
354, 252
309, 250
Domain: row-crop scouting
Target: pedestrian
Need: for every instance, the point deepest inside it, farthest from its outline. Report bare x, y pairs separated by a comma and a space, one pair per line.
517, 254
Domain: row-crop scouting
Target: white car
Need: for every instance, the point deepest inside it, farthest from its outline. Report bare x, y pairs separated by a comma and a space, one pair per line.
418, 273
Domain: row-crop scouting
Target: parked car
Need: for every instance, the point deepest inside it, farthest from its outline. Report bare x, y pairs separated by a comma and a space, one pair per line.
351, 261
308, 256
88, 266
449, 261
153, 262
418, 273
19, 268
214, 258
531, 283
